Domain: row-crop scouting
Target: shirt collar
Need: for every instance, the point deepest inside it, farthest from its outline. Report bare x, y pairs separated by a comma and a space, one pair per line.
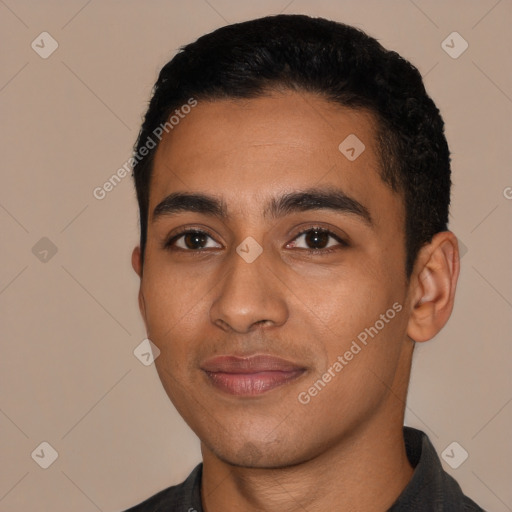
431, 489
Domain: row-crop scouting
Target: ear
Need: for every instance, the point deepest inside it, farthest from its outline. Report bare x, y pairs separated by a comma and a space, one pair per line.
136, 261
432, 286
137, 266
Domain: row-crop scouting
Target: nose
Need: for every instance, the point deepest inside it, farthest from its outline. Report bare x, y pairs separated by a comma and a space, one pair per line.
249, 296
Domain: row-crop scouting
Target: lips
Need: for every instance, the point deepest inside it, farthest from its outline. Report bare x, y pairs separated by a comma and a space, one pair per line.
249, 376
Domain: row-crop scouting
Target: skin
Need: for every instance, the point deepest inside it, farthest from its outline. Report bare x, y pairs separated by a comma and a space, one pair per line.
344, 450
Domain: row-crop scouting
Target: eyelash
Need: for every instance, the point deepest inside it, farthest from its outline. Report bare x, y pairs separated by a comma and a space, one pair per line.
168, 245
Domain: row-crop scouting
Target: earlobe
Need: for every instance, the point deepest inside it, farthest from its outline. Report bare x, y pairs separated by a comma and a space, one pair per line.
136, 260
137, 266
433, 286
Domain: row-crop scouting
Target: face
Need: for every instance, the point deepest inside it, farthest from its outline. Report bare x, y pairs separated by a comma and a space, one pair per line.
278, 297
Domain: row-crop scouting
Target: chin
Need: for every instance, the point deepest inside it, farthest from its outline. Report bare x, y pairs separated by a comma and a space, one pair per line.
252, 454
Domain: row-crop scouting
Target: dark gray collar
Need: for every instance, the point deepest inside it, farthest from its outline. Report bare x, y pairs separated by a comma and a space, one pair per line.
431, 489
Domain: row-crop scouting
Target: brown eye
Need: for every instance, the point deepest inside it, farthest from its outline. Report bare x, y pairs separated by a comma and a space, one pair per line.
190, 240
316, 241
194, 240
317, 238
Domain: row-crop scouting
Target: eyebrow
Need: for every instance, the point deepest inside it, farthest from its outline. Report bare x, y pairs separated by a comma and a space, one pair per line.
298, 201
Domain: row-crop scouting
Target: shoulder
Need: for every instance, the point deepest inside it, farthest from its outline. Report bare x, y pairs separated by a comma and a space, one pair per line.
183, 497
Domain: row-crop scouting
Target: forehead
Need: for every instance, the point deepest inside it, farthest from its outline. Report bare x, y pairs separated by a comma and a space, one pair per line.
246, 151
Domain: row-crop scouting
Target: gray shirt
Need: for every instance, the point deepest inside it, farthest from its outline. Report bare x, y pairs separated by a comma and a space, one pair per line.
431, 489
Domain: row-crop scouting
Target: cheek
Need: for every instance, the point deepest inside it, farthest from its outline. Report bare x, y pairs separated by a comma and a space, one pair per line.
366, 330
170, 295
353, 301
359, 373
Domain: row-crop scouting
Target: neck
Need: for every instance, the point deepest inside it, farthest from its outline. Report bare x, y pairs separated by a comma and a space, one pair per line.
366, 471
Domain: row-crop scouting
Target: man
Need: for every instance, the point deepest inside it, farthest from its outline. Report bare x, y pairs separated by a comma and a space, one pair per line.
293, 181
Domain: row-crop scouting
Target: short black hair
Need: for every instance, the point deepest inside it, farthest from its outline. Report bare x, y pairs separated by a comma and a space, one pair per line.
337, 62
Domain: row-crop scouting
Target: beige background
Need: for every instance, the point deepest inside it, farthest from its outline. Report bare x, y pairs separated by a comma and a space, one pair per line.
70, 324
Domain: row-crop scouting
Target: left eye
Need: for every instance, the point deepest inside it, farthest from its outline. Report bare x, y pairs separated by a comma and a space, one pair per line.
318, 237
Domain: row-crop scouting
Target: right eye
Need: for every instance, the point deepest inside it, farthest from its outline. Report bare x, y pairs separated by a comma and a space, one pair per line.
189, 240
